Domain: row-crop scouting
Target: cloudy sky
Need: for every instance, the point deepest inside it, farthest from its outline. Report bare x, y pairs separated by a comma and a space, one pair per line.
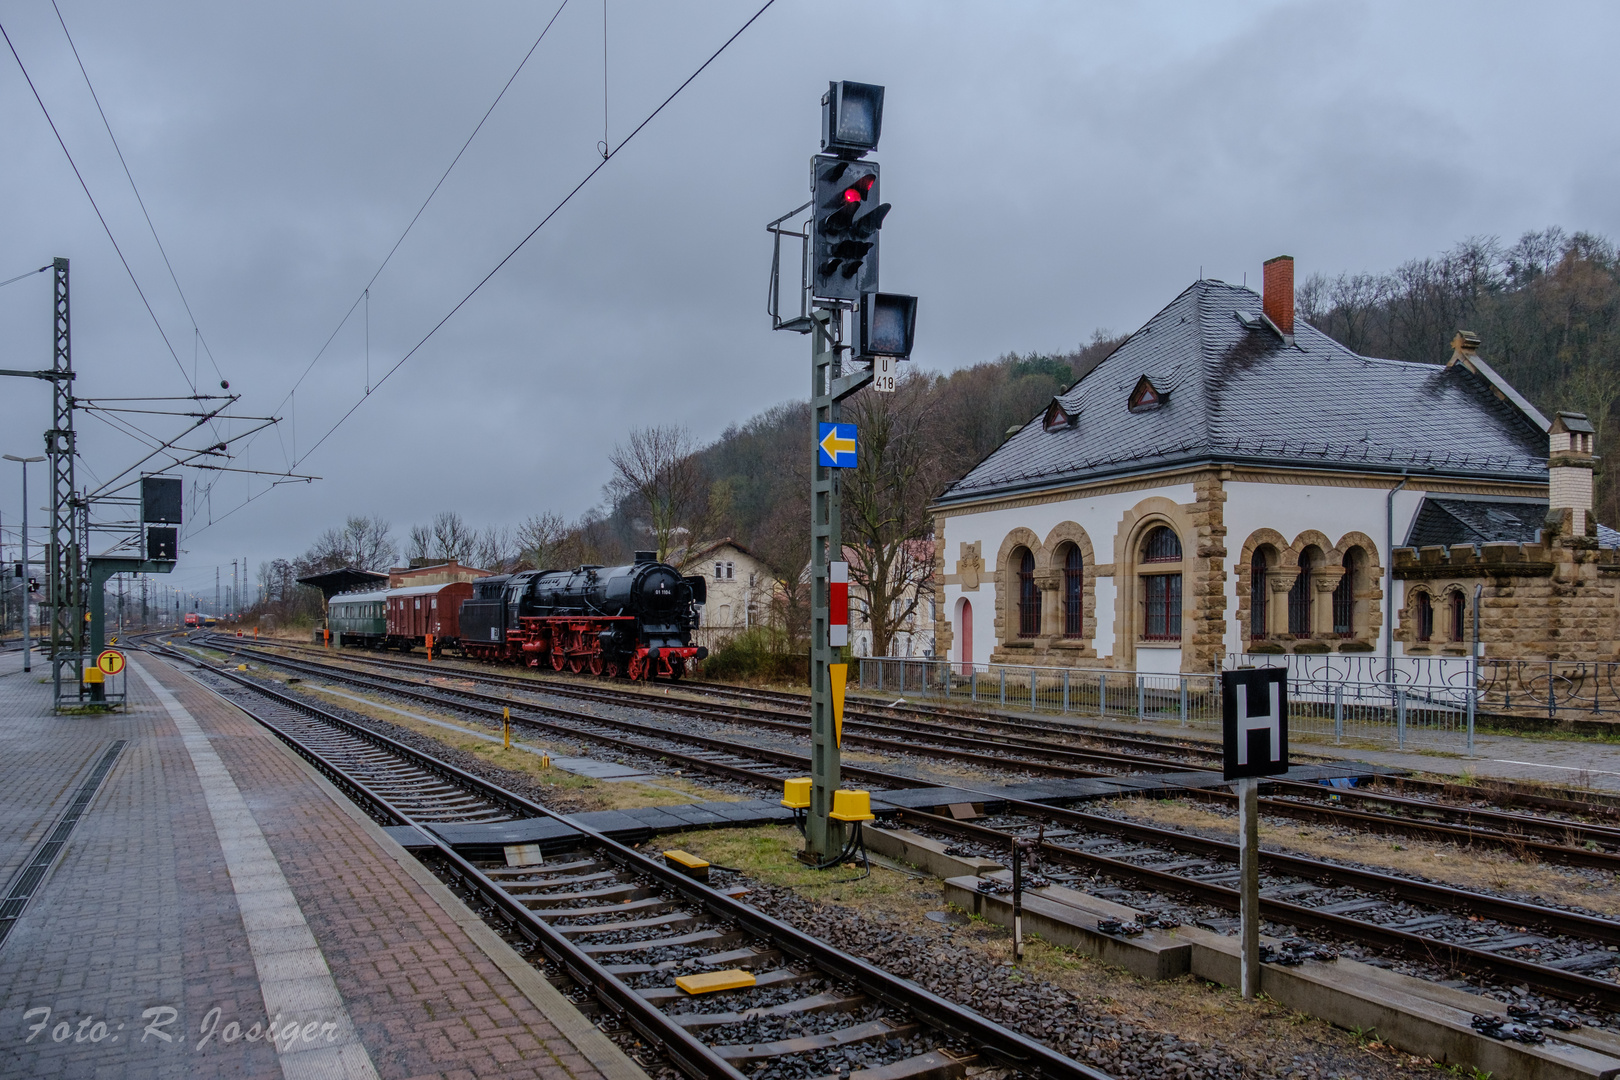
1054, 168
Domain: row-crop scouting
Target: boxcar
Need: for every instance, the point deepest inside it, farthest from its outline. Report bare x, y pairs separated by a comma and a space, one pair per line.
421, 610
358, 619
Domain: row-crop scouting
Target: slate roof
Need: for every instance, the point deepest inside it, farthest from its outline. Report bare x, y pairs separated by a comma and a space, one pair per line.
1237, 393
1476, 521
1448, 521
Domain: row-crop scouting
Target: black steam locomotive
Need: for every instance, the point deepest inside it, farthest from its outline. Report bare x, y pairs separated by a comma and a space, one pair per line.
634, 620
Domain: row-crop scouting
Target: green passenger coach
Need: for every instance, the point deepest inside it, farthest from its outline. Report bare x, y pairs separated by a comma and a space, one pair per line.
358, 619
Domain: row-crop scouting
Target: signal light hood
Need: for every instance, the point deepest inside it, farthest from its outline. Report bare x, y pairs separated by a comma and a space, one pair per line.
851, 118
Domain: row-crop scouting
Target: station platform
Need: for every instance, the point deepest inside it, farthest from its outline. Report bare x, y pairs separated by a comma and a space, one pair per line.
176, 882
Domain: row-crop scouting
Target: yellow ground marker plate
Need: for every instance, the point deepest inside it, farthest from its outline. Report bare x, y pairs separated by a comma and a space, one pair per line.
710, 981
688, 864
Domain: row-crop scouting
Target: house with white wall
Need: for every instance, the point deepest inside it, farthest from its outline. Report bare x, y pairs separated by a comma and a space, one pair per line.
1231, 482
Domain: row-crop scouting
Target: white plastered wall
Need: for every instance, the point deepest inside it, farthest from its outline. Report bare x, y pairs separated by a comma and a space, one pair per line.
1099, 515
1291, 509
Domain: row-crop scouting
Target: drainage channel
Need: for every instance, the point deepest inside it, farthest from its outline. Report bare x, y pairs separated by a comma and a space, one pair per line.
33, 874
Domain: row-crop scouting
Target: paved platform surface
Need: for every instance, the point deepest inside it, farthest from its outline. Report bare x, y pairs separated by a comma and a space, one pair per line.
214, 882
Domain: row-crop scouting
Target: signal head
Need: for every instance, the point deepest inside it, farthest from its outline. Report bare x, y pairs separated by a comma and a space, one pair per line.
851, 118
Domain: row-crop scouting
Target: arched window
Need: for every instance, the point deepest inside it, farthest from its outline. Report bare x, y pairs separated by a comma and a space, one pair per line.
1161, 593
1073, 580
1162, 545
1459, 616
1259, 593
1423, 608
1301, 595
1029, 597
1344, 595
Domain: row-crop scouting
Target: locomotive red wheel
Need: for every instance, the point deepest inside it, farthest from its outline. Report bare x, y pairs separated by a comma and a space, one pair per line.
596, 664
612, 668
576, 664
558, 660
638, 668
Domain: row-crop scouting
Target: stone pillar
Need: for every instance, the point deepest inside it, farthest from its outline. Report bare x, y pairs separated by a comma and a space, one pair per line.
1326, 579
1280, 581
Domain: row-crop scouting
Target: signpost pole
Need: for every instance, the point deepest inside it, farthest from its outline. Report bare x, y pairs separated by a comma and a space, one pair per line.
824, 837
1249, 882
1254, 723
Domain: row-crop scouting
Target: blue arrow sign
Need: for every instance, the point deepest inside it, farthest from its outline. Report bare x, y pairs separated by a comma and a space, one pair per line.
837, 445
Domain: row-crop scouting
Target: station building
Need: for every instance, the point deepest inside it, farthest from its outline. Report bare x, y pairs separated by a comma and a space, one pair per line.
1231, 482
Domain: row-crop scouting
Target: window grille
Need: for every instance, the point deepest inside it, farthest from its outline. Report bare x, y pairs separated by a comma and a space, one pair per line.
1299, 600
1073, 580
1162, 545
1425, 617
1459, 616
1344, 599
1259, 596
1029, 598
1162, 603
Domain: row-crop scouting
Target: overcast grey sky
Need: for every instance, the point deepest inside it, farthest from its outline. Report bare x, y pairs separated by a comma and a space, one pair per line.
1054, 168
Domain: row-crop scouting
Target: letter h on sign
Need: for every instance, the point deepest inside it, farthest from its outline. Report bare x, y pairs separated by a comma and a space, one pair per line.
1254, 715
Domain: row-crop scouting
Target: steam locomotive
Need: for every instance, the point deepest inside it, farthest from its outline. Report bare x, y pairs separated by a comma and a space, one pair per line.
633, 620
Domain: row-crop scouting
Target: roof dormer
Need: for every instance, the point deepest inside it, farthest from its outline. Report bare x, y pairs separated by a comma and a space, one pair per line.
1147, 397
1059, 417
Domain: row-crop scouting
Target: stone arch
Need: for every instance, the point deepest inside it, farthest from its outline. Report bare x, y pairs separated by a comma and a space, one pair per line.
1245, 563
1050, 579
1408, 628
1006, 579
1367, 621
1129, 612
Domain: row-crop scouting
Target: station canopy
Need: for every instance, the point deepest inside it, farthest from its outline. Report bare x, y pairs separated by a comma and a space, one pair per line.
347, 579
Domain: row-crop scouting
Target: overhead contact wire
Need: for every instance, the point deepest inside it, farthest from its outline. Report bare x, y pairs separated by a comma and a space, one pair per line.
448, 169
531, 234
99, 217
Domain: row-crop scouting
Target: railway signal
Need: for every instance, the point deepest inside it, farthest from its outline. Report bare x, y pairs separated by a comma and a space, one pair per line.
838, 272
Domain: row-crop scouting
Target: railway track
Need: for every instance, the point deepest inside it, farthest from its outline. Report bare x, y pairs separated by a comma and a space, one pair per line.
626, 931
1561, 841
1424, 922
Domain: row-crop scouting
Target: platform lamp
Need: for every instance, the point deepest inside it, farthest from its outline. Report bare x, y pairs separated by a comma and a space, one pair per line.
28, 643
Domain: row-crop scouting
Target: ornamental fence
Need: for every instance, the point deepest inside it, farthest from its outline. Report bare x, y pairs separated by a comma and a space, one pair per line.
1427, 703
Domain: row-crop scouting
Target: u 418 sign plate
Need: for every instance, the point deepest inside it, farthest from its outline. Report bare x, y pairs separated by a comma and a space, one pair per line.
883, 374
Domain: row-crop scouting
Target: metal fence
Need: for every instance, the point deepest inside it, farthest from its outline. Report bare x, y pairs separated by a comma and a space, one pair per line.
1320, 705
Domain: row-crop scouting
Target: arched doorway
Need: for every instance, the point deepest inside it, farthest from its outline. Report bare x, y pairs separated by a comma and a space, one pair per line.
964, 624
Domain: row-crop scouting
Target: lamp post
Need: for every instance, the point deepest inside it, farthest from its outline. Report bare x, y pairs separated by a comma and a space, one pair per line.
28, 644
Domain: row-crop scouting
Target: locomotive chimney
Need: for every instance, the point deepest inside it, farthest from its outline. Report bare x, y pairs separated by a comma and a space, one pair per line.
646, 556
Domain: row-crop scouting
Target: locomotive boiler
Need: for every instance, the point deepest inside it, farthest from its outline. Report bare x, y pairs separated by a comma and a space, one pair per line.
634, 620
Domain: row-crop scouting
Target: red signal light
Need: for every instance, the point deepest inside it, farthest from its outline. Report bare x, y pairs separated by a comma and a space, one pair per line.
851, 195
859, 190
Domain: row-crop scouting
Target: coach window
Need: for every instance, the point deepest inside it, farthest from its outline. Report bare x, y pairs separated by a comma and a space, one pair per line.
1161, 589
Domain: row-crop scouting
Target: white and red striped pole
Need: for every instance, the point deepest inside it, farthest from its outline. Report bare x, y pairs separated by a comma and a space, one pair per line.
837, 604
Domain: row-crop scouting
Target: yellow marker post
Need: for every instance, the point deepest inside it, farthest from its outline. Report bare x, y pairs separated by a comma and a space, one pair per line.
839, 674
506, 724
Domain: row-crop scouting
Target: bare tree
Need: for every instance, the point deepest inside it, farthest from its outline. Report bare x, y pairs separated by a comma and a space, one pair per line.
452, 539
658, 472
364, 542
886, 522
495, 550
420, 543
540, 540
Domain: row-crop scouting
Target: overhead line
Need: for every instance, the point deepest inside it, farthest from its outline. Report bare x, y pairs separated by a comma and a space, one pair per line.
132, 186
516, 71
19, 277
520, 244
599, 166
105, 228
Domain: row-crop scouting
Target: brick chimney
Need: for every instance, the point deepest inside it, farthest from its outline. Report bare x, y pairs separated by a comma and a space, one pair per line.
1278, 293
1569, 472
